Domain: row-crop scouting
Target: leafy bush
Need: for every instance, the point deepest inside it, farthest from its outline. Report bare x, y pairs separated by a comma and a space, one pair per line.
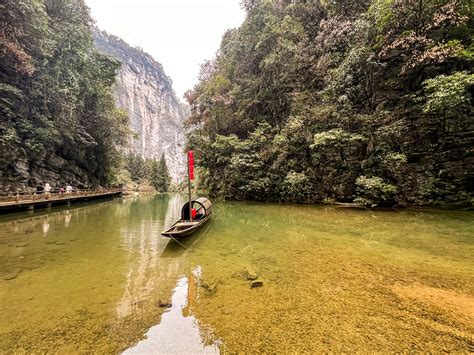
373, 191
296, 187
335, 137
447, 94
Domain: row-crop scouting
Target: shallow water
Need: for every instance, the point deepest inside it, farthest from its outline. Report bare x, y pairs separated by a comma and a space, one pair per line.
98, 277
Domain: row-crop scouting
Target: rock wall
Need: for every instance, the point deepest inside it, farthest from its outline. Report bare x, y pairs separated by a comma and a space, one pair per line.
146, 92
20, 173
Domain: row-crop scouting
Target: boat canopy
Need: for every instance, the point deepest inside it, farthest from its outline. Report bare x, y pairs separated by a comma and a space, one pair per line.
202, 205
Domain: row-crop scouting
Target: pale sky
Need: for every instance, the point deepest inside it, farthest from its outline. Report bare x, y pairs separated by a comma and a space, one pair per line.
180, 34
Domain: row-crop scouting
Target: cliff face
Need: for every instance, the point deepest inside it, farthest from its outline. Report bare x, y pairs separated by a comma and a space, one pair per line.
145, 91
20, 173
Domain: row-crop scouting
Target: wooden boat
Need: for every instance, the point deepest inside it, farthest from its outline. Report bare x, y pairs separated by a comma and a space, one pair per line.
188, 223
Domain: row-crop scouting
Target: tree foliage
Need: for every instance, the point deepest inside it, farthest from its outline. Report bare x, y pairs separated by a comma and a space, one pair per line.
138, 168
148, 170
56, 104
312, 100
159, 176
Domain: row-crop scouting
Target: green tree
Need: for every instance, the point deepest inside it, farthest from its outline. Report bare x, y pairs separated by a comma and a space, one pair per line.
148, 168
448, 101
160, 177
136, 166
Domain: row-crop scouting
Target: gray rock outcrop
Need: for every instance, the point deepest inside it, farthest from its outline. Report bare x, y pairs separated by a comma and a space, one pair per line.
146, 92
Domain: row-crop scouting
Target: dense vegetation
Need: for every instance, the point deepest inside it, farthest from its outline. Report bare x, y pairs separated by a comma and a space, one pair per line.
351, 100
58, 117
148, 170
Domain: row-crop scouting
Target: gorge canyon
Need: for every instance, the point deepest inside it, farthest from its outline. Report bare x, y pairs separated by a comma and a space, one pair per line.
146, 92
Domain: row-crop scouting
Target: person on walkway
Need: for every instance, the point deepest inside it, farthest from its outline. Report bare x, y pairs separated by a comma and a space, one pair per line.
68, 189
47, 189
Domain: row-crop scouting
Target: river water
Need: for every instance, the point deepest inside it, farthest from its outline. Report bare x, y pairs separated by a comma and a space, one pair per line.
99, 277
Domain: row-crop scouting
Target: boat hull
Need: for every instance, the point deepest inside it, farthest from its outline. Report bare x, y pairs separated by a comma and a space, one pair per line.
175, 232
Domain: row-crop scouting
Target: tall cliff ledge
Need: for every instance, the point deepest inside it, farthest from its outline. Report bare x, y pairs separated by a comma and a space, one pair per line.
146, 92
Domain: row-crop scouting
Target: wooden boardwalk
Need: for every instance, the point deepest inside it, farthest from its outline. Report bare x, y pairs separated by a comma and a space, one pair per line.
23, 201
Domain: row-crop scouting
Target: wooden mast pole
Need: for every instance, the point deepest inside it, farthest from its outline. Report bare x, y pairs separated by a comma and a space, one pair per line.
189, 193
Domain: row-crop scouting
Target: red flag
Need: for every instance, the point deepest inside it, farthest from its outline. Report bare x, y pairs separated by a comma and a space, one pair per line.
191, 164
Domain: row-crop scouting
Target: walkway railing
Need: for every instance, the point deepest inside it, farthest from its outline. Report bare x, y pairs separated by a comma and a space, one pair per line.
26, 197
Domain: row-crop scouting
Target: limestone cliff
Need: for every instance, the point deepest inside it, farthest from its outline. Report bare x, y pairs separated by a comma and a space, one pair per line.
146, 92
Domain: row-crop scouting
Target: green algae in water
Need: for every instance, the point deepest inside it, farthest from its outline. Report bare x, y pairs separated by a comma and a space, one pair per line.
92, 278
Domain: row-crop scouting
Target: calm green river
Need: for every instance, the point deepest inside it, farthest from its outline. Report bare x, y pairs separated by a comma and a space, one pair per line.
99, 278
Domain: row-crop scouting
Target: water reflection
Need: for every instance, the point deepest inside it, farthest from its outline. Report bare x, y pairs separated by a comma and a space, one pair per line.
143, 243
154, 265
45, 227
97, 265
67, 219
173, 210
178, 331
41, 220
96, 282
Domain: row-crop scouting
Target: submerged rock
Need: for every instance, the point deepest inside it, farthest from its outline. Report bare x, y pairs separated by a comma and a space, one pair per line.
164, 304
251, 275
19, 245
256, 283
11, 276
211, 288
246, 274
